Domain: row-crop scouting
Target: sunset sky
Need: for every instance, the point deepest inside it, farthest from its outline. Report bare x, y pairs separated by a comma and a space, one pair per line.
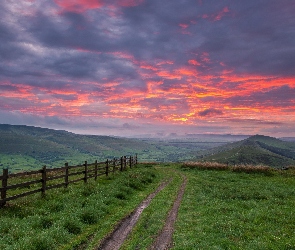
133, 67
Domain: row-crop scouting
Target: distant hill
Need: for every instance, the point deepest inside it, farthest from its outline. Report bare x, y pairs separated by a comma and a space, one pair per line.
28, 147
257, 149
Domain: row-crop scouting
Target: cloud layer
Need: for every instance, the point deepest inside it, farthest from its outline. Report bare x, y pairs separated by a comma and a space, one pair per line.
130, 67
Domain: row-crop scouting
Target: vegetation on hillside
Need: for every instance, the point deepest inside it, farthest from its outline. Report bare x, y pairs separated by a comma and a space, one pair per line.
69, 216
220, 210
236, 210
255, 150
26, 147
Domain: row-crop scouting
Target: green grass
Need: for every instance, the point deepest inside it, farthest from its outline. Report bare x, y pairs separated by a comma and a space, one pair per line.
234, 210
153, 217
67, 217
255, 150
230, 209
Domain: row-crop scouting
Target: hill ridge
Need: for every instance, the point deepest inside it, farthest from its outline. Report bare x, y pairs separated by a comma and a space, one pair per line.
257, 149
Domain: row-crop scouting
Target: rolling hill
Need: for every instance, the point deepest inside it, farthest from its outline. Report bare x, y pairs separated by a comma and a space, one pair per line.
255, 150
27, 147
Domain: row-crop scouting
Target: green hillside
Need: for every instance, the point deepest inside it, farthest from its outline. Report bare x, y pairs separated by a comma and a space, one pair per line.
254, 150
27, 147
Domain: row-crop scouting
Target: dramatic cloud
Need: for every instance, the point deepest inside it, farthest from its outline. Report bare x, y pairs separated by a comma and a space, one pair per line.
210, 112
148, 67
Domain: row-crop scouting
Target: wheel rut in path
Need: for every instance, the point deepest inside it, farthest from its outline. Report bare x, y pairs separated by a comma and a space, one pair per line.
164, 239
118, 236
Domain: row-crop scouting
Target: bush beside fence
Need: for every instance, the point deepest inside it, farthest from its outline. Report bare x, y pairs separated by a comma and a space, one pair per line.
67, 174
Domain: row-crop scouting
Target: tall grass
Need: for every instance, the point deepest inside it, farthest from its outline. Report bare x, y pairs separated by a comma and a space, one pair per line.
205, 165
66, 217
221, 166
236, 210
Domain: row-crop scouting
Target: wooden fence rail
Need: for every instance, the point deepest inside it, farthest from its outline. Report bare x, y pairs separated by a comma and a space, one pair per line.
60, 177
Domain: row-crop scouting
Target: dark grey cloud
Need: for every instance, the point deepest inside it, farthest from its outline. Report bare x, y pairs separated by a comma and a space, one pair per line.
253, 37
210, 112
254, 122
163, 104
282, 96
63, 54
258, 38
129, 126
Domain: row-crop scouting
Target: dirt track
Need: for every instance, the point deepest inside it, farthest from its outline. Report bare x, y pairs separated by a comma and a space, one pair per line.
118, 236
164, 239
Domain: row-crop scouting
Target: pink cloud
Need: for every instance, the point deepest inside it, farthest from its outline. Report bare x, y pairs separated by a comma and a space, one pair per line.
79, 5
129, 3
194, 62
221, 14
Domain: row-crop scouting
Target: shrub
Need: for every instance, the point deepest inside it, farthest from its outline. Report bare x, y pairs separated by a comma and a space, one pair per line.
121, 196
42, 243
88, 190
56, 206
205, 165
89, 216
72, 227
253, 169
46, 222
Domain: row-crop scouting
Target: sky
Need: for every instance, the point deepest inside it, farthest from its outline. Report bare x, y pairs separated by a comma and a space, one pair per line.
149, 67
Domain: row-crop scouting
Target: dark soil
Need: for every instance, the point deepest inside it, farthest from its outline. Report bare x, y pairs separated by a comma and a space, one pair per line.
164, 239
118, 236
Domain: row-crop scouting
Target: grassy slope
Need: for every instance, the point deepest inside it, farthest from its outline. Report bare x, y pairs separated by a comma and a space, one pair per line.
67, 217
227, 210
220, 210
26, 147
255, 150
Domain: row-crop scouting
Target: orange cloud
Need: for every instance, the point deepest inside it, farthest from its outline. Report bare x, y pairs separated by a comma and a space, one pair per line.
187, 72
194, 62
178, 96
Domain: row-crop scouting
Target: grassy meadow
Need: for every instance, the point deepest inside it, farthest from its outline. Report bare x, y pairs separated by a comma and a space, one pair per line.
237, 210
222, 208
67, 217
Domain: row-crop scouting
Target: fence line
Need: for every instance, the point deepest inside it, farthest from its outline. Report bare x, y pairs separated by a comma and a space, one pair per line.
86, 170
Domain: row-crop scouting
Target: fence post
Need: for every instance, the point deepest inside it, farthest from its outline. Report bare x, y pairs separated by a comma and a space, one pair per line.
4, 185
43, 180
107, 167
114, 165
121, 161
125, 162
67, 174
136, 159
130, 161
85, 174
95, 171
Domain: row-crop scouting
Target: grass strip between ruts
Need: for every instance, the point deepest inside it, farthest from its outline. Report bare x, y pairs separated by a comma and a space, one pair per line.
153, 217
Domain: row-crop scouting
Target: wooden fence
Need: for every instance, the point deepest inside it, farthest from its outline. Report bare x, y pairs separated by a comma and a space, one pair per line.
66, 175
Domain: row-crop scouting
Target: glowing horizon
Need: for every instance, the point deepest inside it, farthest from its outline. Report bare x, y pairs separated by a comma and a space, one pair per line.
131, 67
